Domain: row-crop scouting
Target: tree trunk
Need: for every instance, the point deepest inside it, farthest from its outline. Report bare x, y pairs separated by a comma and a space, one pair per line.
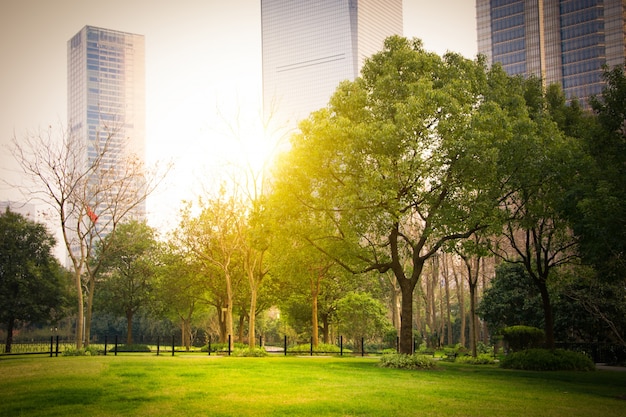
89, 309
129, 327
221, 321
242, 320
473, 332
80, 318
460, 289
314, 310
406, 318
252, 317
548, 316
9, 341
325, 329
448, 313
229, 311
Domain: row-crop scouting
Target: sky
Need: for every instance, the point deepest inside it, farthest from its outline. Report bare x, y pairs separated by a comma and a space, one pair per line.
203, 76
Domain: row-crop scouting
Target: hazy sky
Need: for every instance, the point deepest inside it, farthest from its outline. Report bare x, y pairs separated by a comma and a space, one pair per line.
201, 55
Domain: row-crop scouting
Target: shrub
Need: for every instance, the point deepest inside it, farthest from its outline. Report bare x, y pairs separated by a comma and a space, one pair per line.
522, 337
86, 351
482, 359
257, 352
320, 349
403, 361
547, 360
222, 347
131, 348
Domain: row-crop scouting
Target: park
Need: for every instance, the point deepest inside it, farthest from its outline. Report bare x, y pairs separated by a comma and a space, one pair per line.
194, 384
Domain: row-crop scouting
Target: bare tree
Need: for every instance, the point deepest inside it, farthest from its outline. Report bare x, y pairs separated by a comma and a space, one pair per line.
90, 188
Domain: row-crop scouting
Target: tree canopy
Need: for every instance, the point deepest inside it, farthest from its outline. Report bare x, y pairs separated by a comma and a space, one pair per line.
33, 285
403, 160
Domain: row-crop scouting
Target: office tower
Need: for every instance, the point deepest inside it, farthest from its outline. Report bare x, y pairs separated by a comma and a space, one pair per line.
563, 41
310, 46
106, 98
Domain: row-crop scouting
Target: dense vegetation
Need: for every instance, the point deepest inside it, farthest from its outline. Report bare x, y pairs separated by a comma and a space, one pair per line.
433, 199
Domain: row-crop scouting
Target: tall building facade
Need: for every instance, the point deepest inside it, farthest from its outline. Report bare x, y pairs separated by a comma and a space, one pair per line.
310, 46
106, 98
563, 41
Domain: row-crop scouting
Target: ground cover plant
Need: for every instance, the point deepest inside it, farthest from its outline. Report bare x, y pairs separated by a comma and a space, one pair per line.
191, 384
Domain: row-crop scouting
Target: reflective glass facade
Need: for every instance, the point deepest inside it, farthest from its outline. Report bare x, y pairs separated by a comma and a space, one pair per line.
563, 41
309, 47
106, 94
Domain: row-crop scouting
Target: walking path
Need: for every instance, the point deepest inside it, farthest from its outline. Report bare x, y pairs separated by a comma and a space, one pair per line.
605, 367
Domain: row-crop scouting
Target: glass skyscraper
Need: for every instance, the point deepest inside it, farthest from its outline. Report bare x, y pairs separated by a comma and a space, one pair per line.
106, 96
310, 46
563, 41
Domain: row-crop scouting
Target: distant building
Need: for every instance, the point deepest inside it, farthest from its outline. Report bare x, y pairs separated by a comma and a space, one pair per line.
310, 46
563, 41
106, 97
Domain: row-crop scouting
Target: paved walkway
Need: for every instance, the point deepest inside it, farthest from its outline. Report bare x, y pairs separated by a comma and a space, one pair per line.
604, 367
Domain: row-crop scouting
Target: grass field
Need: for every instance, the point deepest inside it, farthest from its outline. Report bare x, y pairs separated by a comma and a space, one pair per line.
188, 385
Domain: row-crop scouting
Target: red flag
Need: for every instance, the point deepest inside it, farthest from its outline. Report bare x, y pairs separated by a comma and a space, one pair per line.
93, 216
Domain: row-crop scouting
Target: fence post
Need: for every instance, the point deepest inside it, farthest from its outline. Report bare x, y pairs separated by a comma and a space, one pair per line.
311, 345
340, 345
173, 341
362, 346
105, 344
57, 347
209, 349
397, 344
229, 341
285, 345
51, 344
115, 345
261, 341
158, 345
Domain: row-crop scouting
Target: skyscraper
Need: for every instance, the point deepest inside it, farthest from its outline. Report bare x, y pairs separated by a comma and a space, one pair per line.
563, 41
106, 97
309, 47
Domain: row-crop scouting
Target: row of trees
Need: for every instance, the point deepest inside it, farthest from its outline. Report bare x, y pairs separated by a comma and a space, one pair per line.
410, 186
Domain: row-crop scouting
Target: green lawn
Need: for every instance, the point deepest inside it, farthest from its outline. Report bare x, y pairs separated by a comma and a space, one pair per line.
188, 385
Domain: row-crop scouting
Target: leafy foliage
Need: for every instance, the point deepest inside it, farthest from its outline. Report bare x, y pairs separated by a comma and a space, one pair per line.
482, 359
360, 315
403, 160
512, 299
128, 270
404, 361
522, 337
257, 352
548, 360
33, 286
321, 348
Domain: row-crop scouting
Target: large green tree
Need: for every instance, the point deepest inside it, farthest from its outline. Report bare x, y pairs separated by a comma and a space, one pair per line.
403, 160
33, 285
544, 163
128, 267
600, 218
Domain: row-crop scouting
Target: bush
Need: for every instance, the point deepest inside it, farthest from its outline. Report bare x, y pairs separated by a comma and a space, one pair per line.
482, 359
320, 349
132, 348
522, 337
222, 347
86, 351
403, 361
250, 353
547, 360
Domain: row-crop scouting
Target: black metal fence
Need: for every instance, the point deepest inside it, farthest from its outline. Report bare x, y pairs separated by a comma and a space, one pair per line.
55, 346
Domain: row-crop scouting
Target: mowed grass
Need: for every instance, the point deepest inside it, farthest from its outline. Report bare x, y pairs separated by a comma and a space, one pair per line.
187, 385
